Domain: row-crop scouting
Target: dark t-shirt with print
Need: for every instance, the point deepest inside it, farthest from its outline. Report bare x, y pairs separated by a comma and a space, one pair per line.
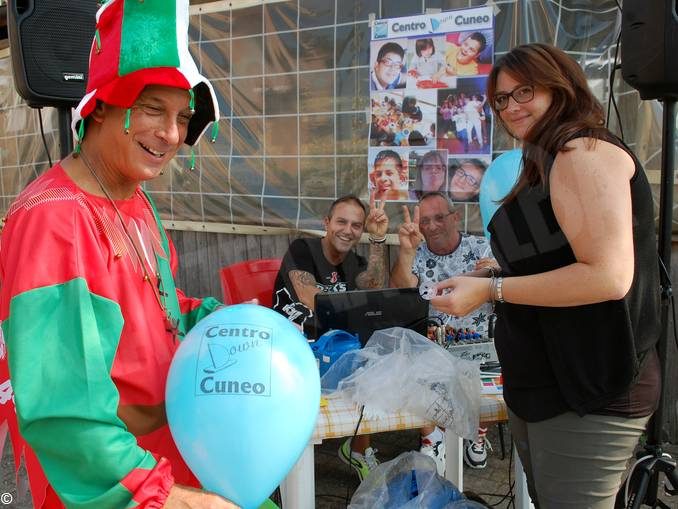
307, 255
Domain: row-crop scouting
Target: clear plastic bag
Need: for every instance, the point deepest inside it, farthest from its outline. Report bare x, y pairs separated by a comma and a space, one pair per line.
399, 369
409, 481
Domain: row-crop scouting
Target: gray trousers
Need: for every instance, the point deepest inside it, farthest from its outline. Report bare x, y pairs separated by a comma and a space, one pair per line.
575, 462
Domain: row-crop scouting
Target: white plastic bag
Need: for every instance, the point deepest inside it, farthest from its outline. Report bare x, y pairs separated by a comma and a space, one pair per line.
399, 369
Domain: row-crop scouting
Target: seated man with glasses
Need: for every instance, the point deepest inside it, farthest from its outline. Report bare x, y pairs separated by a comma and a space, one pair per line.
386, 74
465, 180
445, 252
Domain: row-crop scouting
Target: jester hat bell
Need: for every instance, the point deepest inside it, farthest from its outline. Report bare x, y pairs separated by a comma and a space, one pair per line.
139, 43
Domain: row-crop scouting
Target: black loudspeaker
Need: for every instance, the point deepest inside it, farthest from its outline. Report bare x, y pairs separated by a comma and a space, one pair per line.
49, 42
649, 41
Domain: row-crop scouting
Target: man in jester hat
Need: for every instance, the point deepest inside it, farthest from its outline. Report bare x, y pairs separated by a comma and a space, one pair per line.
90, 314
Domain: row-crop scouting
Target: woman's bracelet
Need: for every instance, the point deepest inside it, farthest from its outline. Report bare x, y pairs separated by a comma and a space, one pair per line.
496, 290
499, 289
375, 240
492, 286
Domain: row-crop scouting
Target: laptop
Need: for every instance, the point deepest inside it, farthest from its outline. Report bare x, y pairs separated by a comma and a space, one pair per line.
364, 311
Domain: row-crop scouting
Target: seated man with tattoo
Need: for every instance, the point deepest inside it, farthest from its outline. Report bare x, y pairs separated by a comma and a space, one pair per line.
330, 264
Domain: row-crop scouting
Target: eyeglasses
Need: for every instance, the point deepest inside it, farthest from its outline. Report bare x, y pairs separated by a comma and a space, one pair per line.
467, 177
391, 64
521, 94
437, 219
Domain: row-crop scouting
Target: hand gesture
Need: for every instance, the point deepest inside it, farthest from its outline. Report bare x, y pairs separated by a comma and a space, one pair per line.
463, 296
408, 233
376, 223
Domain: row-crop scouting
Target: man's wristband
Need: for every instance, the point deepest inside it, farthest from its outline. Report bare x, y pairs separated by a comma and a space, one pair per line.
375, 240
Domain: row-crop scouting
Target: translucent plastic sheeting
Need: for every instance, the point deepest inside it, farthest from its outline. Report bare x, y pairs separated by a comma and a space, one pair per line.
292, 83
399, 369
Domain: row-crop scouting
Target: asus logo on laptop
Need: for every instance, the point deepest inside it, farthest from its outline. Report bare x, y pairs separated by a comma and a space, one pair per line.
373, 313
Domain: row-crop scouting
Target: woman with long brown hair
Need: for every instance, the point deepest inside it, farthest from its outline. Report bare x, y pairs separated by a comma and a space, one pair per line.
431, 174
577, 291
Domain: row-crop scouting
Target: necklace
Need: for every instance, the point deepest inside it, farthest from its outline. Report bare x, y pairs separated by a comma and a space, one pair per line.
171, 324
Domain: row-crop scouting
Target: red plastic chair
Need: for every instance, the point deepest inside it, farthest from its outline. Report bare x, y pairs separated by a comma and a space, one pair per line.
250, 279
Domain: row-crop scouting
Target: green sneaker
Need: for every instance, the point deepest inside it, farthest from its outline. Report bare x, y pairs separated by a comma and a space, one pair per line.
363, 464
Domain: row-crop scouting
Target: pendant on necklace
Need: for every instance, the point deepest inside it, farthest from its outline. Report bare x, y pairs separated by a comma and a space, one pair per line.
172, 326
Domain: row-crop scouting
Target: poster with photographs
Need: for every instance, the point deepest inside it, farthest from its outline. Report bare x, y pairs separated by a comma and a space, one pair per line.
431, 126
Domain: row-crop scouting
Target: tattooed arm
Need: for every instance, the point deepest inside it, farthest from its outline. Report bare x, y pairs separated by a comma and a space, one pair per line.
375, 274
305, 286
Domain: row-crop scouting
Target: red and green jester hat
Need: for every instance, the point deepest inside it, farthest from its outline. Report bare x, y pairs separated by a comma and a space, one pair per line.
86, 345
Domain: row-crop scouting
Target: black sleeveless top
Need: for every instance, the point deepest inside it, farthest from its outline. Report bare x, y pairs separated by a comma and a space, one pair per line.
581, 358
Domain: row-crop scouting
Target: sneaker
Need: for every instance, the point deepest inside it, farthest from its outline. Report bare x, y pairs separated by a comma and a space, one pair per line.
363, 464
435, 451
475, 453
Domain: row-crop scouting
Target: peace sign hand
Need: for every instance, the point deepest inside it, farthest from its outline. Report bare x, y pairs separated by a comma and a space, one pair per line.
376, 223
408, 233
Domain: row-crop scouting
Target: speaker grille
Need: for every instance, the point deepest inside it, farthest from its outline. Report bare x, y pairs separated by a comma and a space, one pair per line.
649, 42
55, 38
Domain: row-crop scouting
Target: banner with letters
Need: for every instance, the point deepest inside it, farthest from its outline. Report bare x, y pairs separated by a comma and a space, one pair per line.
431, 126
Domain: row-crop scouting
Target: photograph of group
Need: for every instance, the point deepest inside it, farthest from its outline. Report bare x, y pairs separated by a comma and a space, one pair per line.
431, 125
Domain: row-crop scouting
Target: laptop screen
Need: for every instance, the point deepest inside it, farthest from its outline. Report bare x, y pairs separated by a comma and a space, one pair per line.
364, 311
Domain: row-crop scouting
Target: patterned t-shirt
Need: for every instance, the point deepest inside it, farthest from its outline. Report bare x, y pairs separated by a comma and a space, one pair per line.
428, 266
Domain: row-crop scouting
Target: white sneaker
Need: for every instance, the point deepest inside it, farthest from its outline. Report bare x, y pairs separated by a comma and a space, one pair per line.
435, 451
475, 453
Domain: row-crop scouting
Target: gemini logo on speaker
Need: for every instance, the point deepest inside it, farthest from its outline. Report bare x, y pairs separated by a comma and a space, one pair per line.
74, 76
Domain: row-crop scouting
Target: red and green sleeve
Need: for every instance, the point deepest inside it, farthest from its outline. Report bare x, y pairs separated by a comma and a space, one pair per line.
81, 326
61, 343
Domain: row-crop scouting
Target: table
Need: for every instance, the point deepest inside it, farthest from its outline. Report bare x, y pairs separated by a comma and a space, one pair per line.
338, 419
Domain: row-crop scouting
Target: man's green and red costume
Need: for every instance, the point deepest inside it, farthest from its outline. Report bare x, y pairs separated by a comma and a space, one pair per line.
88, 343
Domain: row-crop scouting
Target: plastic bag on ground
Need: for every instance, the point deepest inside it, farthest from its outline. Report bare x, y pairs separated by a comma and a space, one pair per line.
399, 369
409, 481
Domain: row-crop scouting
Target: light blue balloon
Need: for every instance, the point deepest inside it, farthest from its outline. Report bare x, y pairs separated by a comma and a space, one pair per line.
498, 180
242, 399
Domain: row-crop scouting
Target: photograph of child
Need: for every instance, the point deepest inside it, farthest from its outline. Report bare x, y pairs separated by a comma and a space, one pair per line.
465, 118
430, 172
464, 178
388, 66
426, 60
388, 175
401, 119
466, 54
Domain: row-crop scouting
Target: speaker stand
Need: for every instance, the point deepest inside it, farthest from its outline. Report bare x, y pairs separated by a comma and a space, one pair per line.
65, 133
644, 482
